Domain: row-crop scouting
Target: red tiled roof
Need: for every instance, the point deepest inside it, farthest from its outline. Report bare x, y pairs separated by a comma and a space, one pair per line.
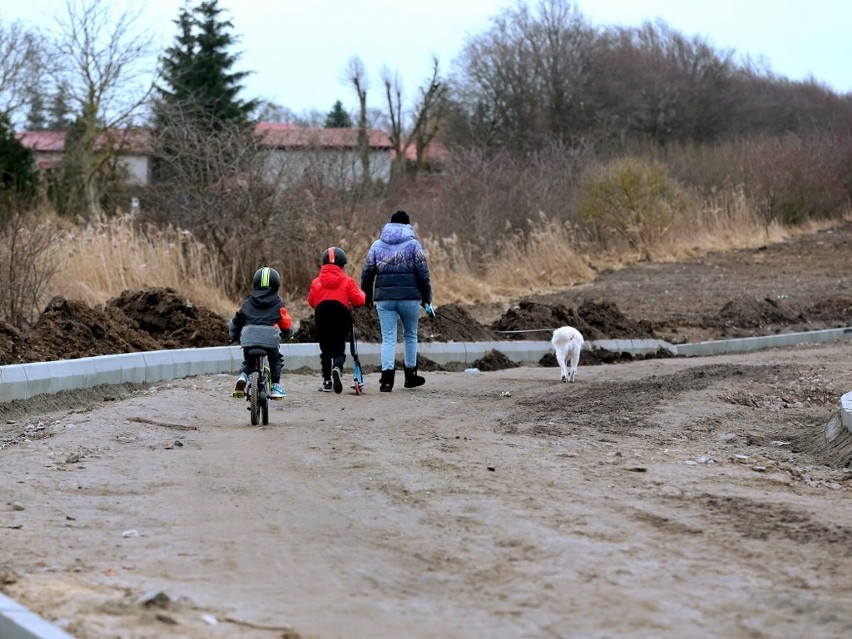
280, 136
138, 140
273, 135
45, 141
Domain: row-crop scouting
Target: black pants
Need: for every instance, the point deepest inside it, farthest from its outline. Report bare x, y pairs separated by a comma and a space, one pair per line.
275, 363
333, 324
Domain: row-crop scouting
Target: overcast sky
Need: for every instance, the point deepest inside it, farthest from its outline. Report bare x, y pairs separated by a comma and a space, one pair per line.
298, 50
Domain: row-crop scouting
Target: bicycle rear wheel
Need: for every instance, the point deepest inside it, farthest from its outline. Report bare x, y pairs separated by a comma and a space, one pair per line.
254, 397
264, 405
266, 382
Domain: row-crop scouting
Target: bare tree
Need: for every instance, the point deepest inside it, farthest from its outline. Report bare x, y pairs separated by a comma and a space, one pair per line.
660, 84
527, 79
248, 208
20, 67
357, 76
104, 60
425, 119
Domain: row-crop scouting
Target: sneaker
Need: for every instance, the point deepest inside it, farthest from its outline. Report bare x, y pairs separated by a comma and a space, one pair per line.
240, 388
326, 386
337, 378
277, 392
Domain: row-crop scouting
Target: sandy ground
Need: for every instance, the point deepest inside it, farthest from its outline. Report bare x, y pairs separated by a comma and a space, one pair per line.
672, 498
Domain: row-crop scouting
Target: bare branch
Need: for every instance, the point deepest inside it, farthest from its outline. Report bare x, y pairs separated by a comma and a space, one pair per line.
101, 58
20, 67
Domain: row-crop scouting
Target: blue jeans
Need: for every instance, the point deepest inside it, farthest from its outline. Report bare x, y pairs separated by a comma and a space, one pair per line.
390, 312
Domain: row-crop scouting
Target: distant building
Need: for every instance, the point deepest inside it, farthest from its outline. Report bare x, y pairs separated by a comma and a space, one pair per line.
328, 156
133, 148
290, 154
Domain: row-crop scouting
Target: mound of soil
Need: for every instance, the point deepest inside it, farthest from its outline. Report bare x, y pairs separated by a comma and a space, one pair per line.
452, 323
746, 312
836, 309
366, 325
802, 284
595, 320
494, 360
147, 320
69, 329
174, 321
14, 346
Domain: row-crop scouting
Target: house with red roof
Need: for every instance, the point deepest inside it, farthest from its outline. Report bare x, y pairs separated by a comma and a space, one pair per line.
132, 146
328, 157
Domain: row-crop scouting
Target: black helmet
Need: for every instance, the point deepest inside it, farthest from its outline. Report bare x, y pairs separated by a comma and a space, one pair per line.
334, 255
266, 277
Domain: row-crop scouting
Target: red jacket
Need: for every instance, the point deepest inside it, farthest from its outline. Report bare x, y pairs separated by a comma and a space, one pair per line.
334, 284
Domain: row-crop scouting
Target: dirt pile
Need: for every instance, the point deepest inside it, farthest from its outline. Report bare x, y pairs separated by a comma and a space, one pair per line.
452, 323
744, 315
159, 318
746, 312
14, 347
494, 360
835, 310
147, 320
595, 320
174, 321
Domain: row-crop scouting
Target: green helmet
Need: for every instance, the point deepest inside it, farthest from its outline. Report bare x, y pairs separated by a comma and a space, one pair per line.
266, 277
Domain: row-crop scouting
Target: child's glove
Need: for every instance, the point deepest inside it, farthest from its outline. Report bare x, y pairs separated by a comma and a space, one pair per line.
429, 310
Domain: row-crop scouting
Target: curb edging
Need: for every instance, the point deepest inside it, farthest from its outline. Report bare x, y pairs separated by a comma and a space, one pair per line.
18, 622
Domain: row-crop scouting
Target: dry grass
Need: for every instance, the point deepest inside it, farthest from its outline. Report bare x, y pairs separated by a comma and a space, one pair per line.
547, 259
99, 261
555, 257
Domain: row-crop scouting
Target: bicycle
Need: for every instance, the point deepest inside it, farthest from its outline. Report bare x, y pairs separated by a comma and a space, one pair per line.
259, 386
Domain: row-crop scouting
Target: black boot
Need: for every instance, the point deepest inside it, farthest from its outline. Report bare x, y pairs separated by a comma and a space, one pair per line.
412, 379
386, 382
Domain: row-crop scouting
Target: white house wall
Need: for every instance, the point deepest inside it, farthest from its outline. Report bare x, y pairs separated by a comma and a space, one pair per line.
334, 167
138, 168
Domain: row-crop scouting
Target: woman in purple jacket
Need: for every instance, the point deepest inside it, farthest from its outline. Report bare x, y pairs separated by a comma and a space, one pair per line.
396, 266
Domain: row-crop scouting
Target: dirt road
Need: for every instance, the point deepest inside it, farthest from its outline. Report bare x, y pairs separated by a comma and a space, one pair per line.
671, 498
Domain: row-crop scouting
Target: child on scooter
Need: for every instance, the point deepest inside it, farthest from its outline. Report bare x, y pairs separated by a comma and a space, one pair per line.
332, 296
259, 322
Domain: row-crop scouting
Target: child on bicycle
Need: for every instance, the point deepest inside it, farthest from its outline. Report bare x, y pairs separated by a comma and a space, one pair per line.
332, 296
260, 322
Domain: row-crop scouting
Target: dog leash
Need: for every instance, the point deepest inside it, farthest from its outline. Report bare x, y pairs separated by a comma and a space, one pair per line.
528, 330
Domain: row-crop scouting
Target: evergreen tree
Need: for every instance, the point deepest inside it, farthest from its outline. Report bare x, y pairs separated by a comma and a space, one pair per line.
337, 118
178, 63
59, 112
18, 178
197, 75
36, 121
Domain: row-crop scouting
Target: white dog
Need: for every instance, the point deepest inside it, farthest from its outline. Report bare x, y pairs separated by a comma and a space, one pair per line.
567, 342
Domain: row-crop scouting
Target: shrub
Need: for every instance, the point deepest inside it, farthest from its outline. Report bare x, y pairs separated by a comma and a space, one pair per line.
633, 200
27, 262
798, 179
